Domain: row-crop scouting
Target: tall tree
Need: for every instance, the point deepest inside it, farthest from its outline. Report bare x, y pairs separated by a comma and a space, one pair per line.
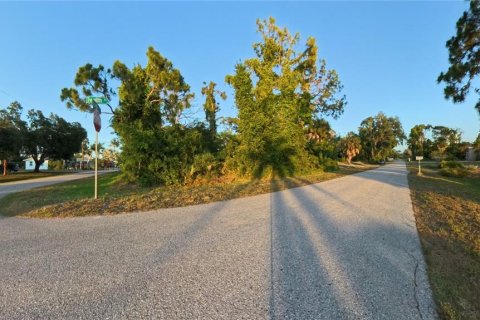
51, 137
211, 106
416, 139
380, 135
12, 129
278, 93
89, 81
464, 57
350, 146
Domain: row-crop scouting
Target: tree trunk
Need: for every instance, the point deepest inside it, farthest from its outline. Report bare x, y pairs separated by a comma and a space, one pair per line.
4, 167
38, 163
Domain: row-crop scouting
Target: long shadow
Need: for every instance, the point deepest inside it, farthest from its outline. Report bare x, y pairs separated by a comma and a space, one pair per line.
176, 244
299, 287
372, 265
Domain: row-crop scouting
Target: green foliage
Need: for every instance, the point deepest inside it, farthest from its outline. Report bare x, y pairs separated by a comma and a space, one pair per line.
416, 140
379, 136
350, 146
40, 137
211, 107
321, 140
11, 131
51, 137
155, 147
278, 94
205, 165
56, 165
451, 164
89, 81
453, 169
464, 56
329, 165
454, 172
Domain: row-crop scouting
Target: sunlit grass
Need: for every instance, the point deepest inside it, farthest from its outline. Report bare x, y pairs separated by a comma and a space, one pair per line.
448, 220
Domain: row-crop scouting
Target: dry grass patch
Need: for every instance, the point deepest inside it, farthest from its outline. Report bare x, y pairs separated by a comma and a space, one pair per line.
74, 198
447, 212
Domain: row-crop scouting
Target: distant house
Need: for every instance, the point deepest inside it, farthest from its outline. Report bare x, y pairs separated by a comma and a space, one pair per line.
471, 155
30, 165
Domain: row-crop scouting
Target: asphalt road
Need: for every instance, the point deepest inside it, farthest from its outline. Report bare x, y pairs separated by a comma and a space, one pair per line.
342, 249
16, 186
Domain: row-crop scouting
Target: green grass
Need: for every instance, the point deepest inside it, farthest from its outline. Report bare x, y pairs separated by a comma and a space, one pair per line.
447, 212
75, 198
29, 175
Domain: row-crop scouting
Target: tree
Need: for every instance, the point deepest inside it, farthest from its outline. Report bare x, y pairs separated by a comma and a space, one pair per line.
100, 149
278, 93
321, 140
446, 142
89, 81
476, 143
155, 146
464, 56
147, 120
416, 140
51, 137
11, 133
211, 106
380, 135
350, 146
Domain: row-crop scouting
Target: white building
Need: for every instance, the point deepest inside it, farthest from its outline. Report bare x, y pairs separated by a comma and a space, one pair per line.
30, 165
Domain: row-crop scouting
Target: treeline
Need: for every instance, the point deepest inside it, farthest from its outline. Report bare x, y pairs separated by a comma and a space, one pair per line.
281, 95
39, 137
438, 143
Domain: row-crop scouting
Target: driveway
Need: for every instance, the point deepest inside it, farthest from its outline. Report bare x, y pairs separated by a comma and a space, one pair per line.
341, 249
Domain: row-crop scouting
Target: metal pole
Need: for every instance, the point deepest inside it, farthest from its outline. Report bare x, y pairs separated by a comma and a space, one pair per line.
96, 164
419, 168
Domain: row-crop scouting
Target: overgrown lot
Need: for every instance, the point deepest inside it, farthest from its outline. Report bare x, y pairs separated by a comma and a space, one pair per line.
75, 198
448, 219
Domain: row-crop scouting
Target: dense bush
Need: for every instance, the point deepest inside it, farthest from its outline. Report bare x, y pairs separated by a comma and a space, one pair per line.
329, 165
451, 164
56, 165
458, 172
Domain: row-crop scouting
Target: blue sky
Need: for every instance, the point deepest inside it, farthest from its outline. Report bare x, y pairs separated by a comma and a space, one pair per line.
388, 54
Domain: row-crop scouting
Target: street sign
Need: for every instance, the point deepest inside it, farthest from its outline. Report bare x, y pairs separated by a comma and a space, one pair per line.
99, 100
97, 121
419, 158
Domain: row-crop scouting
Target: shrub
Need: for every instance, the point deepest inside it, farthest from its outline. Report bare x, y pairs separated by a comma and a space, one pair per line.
329, 165
56, 165
204, 164
451, 165
460, 172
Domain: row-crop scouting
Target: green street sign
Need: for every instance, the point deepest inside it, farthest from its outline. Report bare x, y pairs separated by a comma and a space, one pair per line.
98, 100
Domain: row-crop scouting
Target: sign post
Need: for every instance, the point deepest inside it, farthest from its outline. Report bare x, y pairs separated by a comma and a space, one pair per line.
97, 123
419, 158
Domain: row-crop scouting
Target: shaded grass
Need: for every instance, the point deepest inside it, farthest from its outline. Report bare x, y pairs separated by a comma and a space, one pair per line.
75, 198
30, 175
447, 212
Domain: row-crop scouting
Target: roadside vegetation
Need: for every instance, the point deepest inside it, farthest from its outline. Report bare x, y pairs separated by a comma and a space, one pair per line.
115, 196
446, 200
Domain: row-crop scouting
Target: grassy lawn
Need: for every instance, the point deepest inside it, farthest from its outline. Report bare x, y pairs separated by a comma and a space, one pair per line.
448, 219
75, 198
29, 175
